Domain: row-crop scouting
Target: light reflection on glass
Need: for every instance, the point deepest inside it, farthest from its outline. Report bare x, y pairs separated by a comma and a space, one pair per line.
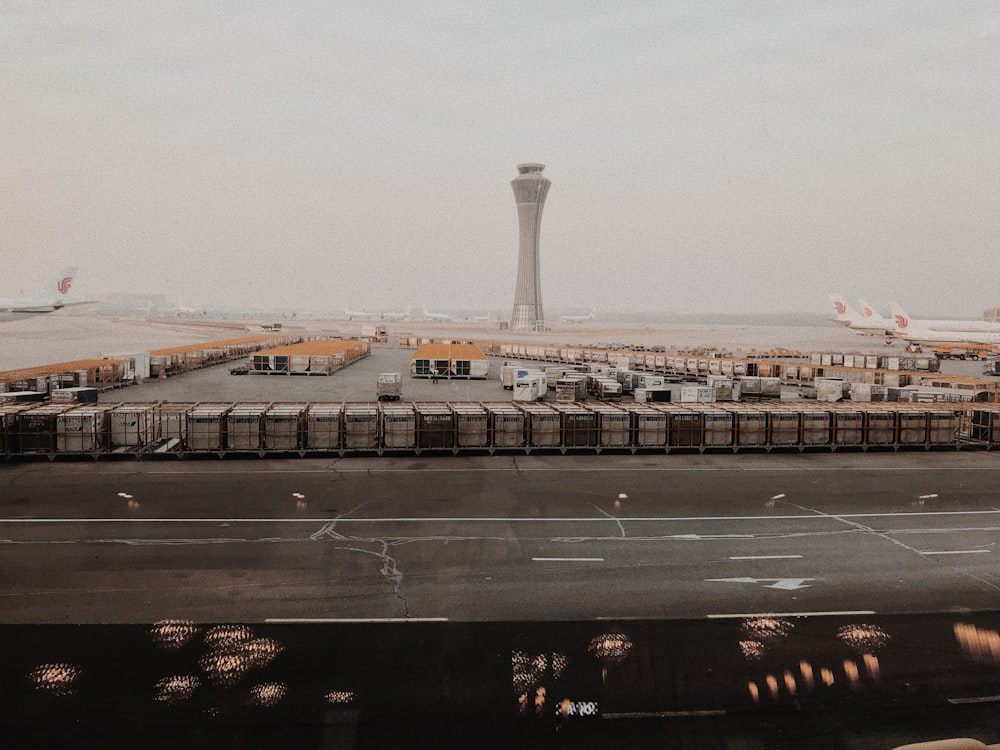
806, 670
173, 634
56, 679
752, 650
872, 665
863, 638
340, 696
268, 694
754, 691
826, 676
772, 685
610, 649
176, 689
852, 673
767, 628
790, 683
979, 644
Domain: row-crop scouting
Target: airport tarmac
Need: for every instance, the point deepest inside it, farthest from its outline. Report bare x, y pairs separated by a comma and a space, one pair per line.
499, 538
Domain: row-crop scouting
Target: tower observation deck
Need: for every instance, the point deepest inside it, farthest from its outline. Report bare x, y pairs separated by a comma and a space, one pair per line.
530, 188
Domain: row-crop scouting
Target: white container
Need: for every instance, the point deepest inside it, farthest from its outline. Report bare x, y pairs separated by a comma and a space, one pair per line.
697, 394
132, 426
323, 423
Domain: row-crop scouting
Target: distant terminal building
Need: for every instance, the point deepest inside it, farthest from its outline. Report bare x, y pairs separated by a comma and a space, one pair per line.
992, 314
530, 189
449, 361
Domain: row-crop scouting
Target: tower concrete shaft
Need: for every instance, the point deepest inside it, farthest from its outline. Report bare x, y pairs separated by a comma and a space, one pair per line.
530, 189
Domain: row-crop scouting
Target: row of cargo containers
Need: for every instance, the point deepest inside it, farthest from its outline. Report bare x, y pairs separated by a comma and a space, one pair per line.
111, 374
302, 364
345, 427
164, 362
691, 367
876, 361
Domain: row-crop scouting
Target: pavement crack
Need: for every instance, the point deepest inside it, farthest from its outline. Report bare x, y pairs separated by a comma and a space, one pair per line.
613, 518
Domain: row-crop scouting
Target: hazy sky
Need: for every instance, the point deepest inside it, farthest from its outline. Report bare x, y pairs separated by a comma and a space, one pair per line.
704, 156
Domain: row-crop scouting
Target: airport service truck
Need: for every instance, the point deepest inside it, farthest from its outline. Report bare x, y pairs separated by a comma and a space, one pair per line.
389, 386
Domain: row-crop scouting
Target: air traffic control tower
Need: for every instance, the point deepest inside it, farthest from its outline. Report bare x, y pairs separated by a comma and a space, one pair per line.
530, 189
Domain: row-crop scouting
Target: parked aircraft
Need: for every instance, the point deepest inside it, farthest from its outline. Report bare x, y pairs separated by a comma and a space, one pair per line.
874, 318
980, 326
359, 314
952, 331
46, 302
848, 316
396, 315
436, 316
578, 318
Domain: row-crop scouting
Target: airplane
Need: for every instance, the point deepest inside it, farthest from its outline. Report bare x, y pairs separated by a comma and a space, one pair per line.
979, 326
929, 331
396, 315
491, 318
359, 314
874, 318
848, 316
578, 318
46, 302
436, 316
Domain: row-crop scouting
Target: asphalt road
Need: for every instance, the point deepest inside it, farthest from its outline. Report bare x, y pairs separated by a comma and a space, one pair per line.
499, 538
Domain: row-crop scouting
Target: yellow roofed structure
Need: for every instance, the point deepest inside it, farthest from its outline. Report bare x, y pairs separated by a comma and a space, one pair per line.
449, 361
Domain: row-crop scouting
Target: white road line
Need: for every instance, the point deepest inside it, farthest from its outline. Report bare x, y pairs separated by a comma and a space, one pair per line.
834, 613
980, 699
958, 552
568, 559
765, 557
349, 620
495, 519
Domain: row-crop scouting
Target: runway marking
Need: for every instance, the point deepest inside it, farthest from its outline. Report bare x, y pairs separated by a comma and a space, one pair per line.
765, 557
349, 620
496, 519
959, 552
568, 559
785, 584
980, 699
833, 613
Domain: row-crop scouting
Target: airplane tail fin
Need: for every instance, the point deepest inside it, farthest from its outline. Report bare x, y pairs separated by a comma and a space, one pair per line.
899, 317
845, 314
867, 310
64, 282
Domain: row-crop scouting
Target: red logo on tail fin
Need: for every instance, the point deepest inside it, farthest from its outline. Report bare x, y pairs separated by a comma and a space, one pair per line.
902, 321
64, 284
839, 307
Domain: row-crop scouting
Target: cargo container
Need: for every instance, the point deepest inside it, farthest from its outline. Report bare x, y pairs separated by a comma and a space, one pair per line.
35, 429
360, 431
718, 427
323, 423
648, 426
506, 425
783, 428
880, 427
435, 426
206, 427
613, 425
848, 427
542, 425
942, 428
22, 397
912, 427
697, 394
750, 426
644, 395
471, 426
723, 386
684, 427
531, 386
245, 427
133, 426
389, 386
399, 426
817, 426
283, 427
578, 426
82, 430
449, 361
76, 395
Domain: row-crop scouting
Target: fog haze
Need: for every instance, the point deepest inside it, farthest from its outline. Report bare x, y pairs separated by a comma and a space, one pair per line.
727, 157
